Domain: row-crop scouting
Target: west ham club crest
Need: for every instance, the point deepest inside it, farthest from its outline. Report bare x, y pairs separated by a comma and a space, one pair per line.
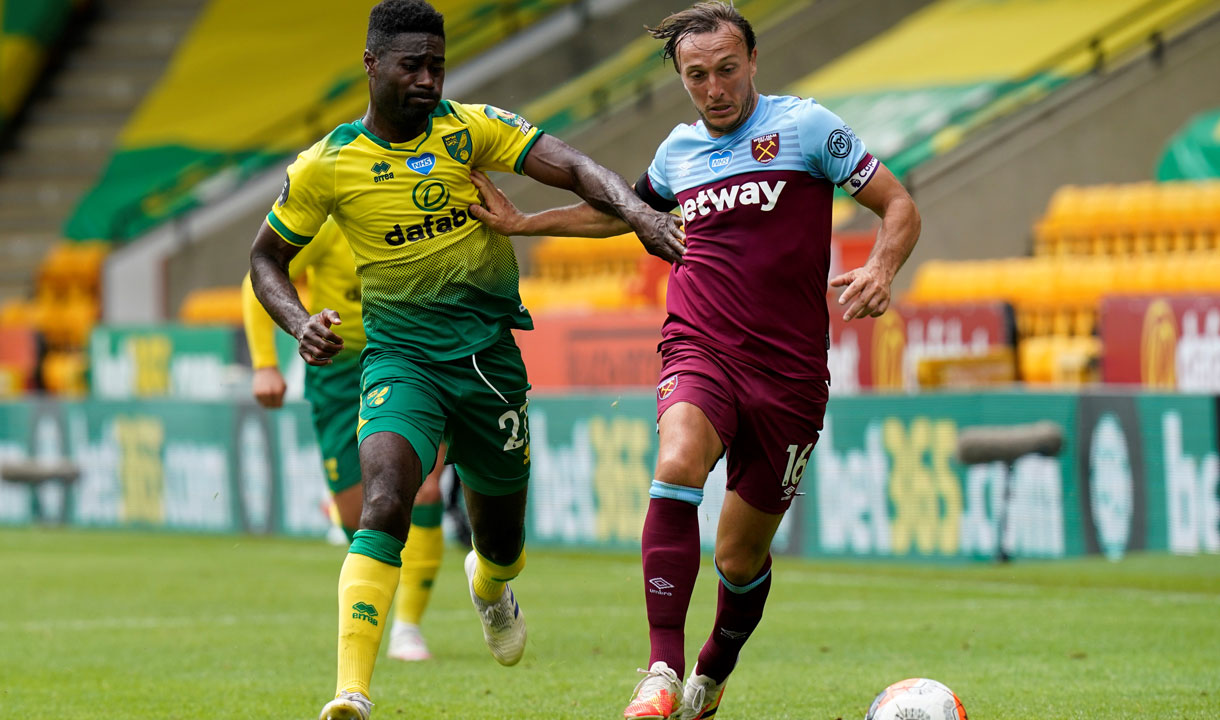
765, 148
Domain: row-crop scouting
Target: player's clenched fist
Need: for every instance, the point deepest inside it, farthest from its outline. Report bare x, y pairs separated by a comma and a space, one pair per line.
661, 234
317, 344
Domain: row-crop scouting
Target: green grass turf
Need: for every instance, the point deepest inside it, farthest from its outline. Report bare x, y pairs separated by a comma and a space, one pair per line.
174, 627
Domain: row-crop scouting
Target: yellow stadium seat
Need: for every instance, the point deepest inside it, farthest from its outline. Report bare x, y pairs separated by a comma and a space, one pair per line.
212, 306
63, 373
1034, 356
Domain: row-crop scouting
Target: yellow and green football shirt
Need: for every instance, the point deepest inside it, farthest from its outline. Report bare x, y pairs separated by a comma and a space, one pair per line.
330, 272
436, 283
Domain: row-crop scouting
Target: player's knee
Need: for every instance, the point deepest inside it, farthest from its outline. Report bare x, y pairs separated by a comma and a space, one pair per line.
739, 568
504, 555
678, 469
384, 509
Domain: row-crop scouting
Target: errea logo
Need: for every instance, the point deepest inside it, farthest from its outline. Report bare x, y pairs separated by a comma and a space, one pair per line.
751, 193
381, 171
364, 611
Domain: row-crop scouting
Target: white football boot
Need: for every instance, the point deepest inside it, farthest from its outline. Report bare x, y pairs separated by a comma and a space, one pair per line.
503, 621
347, 706
700, 697
407, 643
657, 696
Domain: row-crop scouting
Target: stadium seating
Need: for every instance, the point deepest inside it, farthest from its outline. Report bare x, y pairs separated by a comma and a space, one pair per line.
181, 149
1138, 218
212, 306
1131, 239
593, 274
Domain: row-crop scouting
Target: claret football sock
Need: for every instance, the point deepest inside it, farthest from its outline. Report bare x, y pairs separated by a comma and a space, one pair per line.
739, 608
366, 587
671, 564
421, 559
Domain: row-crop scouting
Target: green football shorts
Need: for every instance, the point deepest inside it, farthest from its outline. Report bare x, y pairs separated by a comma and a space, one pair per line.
476, 404
333, 392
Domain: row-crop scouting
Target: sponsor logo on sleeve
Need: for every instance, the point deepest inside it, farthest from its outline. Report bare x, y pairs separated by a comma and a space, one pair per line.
459, 145
839, 143
764, 148
719, 161
283, 193
508, 118
857, 180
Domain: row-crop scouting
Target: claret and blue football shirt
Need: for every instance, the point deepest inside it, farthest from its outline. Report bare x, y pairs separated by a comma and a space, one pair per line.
757, 207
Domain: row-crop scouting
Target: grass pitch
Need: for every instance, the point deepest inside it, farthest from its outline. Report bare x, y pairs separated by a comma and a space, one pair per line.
175, 627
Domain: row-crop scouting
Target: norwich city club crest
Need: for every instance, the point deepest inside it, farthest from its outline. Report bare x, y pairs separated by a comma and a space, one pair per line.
377, 398
458, 145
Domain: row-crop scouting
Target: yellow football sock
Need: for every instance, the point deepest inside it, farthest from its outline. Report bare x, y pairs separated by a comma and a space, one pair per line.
366, 586
421, 559
490, 578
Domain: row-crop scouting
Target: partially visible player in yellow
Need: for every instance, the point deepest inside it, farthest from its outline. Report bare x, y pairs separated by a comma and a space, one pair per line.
333, 392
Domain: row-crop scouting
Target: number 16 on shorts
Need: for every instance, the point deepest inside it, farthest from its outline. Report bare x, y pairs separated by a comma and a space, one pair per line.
798, 458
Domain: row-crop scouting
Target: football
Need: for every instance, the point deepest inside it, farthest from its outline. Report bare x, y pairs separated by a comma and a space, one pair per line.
916, 699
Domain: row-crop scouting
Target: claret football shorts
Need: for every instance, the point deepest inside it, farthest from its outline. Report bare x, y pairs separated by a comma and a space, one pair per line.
768, 423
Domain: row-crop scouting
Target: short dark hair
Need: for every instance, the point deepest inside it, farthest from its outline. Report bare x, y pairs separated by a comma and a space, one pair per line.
703, 17
393, 17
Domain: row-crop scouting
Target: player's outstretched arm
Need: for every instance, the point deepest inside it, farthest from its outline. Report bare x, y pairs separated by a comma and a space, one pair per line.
556, 163
868, 287
269, 277
579, 220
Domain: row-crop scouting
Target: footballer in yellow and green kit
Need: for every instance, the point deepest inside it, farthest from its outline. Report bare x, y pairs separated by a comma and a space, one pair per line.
439, 288
333, 392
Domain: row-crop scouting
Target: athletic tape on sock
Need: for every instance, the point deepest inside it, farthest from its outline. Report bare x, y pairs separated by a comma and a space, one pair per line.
665, 490
741, 589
